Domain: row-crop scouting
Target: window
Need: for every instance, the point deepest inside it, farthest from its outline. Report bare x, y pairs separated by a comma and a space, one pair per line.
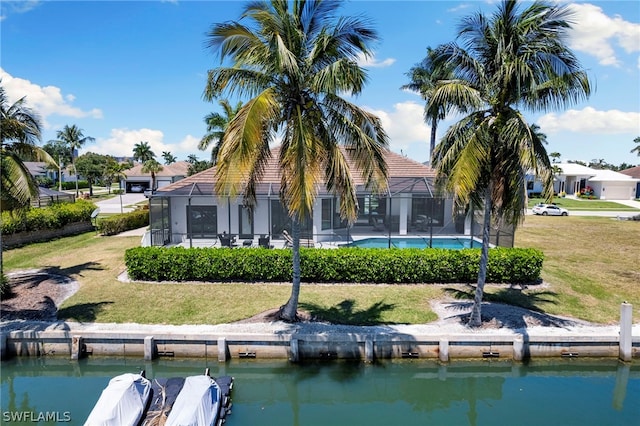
202, 221
246, 223
280, 221
331, 214
371, 210
426, 212
326, 213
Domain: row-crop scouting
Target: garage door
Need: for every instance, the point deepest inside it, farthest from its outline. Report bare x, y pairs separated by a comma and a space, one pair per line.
616, 192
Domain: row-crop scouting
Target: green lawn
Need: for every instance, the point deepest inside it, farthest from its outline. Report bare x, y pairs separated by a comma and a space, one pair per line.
582, 204
591, 266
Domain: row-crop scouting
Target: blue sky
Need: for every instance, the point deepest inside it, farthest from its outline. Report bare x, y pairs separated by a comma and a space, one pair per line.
132, 71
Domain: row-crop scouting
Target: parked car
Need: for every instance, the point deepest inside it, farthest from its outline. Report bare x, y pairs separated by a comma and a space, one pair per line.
549, 210
136, 188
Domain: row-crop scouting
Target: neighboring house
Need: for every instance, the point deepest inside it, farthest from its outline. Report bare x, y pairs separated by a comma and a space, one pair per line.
189, 208
137, 181
634, 172
39, 169
604, 184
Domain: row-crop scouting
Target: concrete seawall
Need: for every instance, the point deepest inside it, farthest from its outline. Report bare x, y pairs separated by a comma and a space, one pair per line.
316, 340
298, 346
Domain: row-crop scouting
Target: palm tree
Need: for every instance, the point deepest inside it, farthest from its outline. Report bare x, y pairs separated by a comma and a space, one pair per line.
637, 147
114, 171
168, 157
424, 80
504, 62
293, 59
216, 126
152, 166
20, 131
142, 152
74, 139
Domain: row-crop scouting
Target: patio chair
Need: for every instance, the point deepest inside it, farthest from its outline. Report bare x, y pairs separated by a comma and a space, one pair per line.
227, 240
264, 241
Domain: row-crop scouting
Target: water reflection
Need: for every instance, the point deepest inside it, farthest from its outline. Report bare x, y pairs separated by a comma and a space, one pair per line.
352, 393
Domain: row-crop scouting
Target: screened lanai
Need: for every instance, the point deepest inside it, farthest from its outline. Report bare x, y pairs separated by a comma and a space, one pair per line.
189, 213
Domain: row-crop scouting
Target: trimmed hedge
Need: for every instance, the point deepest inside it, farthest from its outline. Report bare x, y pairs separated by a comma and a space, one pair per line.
123, 222
68, 186
54, 216
345, 265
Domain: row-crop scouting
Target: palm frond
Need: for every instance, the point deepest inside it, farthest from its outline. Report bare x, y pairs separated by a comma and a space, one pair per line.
244, 141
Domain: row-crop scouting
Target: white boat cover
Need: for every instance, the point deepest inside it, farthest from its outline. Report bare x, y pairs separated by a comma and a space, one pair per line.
197, 403
122, 402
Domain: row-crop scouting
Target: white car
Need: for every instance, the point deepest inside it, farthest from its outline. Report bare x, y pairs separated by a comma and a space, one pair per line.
549, 210
136, 188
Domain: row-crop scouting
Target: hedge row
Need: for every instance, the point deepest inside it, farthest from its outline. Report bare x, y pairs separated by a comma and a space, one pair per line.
123, 222
54, 216
351, 265
82, 184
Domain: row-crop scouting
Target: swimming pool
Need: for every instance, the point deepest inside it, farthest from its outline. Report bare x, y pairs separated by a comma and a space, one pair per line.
454, 243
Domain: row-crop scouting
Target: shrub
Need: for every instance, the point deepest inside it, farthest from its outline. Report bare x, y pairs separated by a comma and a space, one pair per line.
5, 287
54, 216
123, 222
356, 265
82, 184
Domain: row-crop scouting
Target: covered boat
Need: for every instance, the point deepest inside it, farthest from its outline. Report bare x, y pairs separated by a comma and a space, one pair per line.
198, 403
123, 402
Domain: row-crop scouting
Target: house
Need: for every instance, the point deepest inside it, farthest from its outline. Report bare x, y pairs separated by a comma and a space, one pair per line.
137, 181
634, 172
189, 209
574, 179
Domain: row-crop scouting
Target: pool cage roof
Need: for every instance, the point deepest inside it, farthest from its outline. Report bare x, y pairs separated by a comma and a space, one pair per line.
417, 186
405, 176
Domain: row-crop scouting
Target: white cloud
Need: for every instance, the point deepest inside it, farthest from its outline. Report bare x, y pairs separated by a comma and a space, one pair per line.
598, 35
8, 7
372, 62
590, 120
44, 100
120, 143
405, 126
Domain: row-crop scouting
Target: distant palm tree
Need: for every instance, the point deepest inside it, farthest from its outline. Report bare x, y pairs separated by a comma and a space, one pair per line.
216, 126
114, 171
637, 148
508, 61
425, 77
152, 166
293, 60
142, 152
168, 157
20, 130
74, 139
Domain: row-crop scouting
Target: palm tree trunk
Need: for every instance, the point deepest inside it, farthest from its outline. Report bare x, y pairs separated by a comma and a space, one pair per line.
75, 173
432, 144
476, 315
289, 311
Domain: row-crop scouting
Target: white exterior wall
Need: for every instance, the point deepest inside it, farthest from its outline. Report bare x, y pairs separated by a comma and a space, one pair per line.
614, 190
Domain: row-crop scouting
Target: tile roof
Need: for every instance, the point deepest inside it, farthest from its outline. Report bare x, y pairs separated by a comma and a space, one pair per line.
634, 172
400, 169
178, 168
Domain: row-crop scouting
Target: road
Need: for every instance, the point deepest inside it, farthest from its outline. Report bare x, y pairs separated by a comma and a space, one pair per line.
120, 203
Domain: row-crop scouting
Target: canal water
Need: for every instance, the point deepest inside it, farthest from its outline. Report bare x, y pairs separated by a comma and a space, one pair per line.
416, 392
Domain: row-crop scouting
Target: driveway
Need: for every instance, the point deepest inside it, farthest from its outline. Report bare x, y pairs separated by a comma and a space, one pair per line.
120, 203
